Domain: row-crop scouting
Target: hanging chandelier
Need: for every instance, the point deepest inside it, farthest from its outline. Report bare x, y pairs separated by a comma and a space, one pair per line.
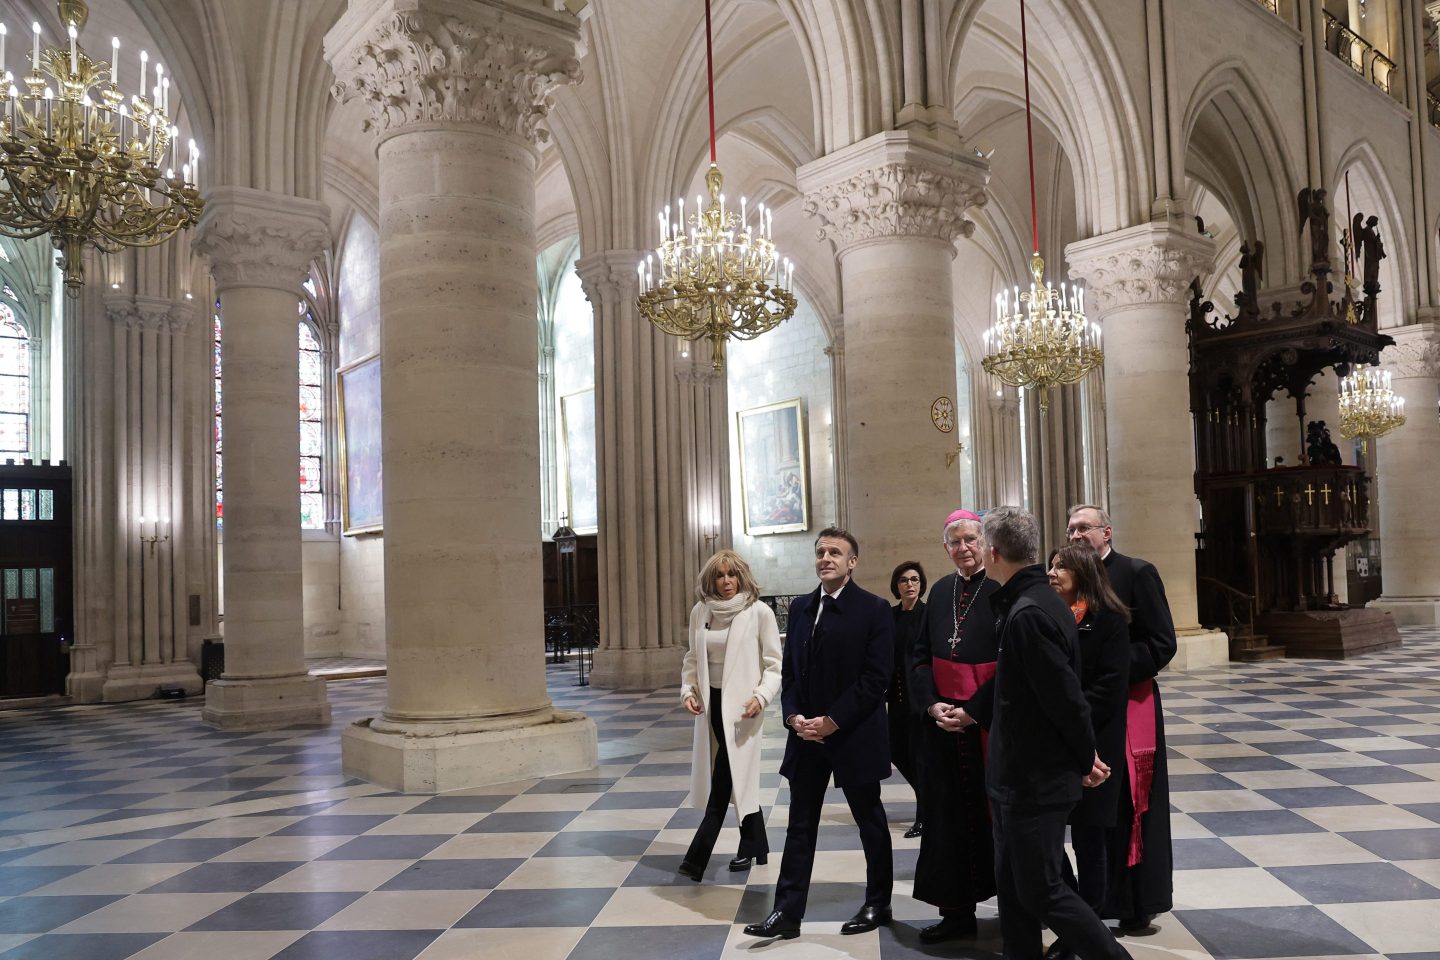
1368, 407
716, 275
84, 162
1040, 338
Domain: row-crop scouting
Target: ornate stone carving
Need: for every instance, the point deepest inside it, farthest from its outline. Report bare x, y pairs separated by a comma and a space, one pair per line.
1416, 352
258, 239
1149, 264
608, 277
439, 65
894, 200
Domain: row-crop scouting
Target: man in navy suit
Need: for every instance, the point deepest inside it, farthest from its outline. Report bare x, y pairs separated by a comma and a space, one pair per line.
839, 653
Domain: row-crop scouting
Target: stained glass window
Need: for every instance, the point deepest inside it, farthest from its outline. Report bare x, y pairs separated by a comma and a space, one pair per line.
219, 477
14, 387
312, 425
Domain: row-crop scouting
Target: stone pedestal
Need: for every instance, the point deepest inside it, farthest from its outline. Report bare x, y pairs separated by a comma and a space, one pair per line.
1138, 281
466, 700
1406, 462
260, 246
894, 205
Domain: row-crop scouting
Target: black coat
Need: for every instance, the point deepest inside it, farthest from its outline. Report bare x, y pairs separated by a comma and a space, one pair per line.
908, 623
1152, 631
1104, 676
844, 678
932, 642
1041, 744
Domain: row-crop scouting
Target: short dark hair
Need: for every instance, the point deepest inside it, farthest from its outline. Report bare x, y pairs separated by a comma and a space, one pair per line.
1013, 534
840, 533
907, 565
1092, 581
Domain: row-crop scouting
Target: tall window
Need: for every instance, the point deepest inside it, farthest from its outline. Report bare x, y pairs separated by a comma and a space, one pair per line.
312, 424
219, 475
14, 387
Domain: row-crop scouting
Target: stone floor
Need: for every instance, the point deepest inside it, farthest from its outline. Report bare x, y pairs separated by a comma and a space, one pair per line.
1306, 813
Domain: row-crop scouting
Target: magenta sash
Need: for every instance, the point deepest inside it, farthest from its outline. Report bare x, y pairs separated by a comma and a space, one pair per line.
1140, 758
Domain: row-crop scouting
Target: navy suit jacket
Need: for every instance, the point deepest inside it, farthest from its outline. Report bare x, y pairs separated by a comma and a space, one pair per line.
843, 678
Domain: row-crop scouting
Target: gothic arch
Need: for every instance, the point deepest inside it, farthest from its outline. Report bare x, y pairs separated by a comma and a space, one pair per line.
1371, 193
1233, 146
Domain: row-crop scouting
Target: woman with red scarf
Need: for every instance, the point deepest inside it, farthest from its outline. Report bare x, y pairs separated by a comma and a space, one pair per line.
952, 665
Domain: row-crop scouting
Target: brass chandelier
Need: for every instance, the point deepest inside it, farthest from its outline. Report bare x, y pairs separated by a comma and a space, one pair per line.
85, 163
1368, 407
716, 275
1040, 338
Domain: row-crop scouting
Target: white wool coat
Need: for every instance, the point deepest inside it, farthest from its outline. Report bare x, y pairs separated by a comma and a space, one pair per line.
752, 669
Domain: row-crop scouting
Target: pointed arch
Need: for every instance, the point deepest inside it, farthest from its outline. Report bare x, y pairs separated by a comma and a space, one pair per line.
1372, 193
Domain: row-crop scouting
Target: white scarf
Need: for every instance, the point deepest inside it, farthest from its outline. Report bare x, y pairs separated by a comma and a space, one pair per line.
719, 613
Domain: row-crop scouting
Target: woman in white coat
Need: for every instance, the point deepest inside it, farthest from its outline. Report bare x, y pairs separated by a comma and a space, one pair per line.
731, 673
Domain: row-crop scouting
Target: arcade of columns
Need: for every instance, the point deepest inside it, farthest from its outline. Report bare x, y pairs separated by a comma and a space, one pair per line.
466, 700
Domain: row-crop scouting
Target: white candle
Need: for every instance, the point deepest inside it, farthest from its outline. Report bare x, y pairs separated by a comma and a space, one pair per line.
35, 49
74, 56
144, 71
115, 62
2, 47
744, 217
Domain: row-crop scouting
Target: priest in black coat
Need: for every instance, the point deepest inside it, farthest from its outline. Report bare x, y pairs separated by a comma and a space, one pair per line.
1141, 883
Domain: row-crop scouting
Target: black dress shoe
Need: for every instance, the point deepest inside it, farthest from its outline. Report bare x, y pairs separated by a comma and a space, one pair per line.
866, 920
1058, 951
775, 925
743, 863
952, 927
915, 830
1136, 924
693, 871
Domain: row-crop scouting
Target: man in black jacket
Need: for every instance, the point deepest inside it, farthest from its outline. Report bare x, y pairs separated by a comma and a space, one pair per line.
1137, 891
1042, 750
839, 653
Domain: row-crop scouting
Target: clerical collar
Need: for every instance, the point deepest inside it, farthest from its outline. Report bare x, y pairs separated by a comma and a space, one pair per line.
977, 575
1108, 550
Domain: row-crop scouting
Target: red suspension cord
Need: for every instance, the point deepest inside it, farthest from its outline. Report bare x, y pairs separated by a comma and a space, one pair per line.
710, 77
1029, 127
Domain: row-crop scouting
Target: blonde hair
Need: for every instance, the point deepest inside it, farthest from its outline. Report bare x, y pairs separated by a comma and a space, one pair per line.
725, 560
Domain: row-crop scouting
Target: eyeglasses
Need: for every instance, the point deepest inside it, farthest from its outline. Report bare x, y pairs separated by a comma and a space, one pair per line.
964, 542
908, 580
1082, 528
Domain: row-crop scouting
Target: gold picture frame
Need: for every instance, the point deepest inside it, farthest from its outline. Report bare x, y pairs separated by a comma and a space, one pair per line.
774, 468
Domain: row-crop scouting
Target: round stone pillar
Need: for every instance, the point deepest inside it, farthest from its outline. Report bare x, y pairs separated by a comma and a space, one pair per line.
894, 205
259, 246
1138, 281
1407, 460
466, 700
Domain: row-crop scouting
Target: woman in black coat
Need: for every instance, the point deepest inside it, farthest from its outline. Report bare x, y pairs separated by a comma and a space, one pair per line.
1079, 577
907, 584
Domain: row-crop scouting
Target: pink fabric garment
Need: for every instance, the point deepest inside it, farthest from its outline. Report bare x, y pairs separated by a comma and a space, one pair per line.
1140, 757
959, 681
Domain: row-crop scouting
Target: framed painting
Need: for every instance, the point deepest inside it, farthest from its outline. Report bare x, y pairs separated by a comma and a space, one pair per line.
361, 482
577, 420
774, 479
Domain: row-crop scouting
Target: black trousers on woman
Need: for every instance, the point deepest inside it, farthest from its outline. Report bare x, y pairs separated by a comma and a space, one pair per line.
753, 842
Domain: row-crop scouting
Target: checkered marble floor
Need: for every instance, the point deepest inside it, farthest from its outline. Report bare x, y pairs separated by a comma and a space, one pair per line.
1306, 818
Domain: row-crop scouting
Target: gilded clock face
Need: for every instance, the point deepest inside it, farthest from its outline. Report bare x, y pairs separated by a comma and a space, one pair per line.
942, 414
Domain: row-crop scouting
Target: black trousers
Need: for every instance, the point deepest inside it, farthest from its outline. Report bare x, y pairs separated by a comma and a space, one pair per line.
808, 783
1029, 853
1092, 864
906, 753
753, 842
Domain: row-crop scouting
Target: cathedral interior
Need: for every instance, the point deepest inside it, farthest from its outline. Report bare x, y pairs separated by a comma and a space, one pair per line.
419, 699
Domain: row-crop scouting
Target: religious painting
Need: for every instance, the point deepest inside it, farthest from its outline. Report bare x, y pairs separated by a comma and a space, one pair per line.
774, 481
361, 485
582, 501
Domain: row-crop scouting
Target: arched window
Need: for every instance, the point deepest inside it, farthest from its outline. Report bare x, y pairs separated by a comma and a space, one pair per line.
219, 476
14, 387
312, 424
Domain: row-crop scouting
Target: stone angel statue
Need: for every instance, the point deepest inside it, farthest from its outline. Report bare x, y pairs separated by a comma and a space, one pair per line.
1313, 211
1369, 250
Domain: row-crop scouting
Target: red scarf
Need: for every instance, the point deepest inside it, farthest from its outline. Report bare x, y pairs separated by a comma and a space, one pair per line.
1079, 608
1140, 757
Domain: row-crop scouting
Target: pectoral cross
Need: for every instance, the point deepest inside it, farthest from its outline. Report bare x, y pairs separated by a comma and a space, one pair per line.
1325, 490
1279, 496
1309, 495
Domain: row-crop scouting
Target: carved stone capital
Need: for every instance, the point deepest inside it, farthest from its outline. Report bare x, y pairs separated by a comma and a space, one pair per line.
1149, 264
894, 184
257, 239
1416, 352
608, 277
485, 63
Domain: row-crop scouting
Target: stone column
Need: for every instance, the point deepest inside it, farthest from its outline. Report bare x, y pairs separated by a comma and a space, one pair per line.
894, 205
456, 92
1406, 462
838, 448
259, 246
646, 517
1138, 279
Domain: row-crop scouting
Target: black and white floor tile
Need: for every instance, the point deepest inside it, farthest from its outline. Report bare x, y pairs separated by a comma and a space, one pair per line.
1306, 813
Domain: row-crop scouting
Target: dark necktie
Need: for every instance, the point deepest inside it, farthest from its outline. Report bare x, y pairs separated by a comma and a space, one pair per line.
817, 632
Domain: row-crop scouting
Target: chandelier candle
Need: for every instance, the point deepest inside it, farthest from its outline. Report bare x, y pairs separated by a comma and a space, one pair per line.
1368, 407
83, 163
